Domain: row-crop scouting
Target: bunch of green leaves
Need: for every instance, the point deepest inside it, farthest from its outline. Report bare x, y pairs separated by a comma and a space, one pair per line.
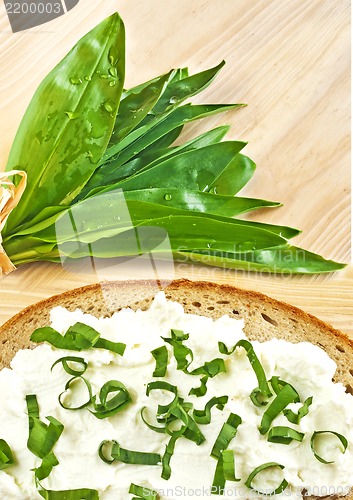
105, 178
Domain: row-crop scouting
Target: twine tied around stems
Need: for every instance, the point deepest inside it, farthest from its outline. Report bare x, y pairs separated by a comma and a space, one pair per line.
10, 195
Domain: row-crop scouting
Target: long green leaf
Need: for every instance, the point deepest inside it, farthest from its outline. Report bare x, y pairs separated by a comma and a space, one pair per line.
195, 169
198, 201
284, 259
48, 215
149, 158
42, 220
197, 233
234, 177
184, 193
178, 74
67, 125
115, 211
158, 127
157, 148
136, 105
182, 89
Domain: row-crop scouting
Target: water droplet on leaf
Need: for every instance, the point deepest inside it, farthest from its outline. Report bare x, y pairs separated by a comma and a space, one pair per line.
112, 84
88, 78
71, 115
75, 80
113, 56
113, 71
39, 137
168, 197
109, 106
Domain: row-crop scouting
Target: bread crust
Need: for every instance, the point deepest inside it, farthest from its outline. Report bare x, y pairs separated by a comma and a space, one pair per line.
264, 317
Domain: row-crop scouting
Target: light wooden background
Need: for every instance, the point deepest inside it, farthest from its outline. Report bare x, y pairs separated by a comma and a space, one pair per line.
288, 59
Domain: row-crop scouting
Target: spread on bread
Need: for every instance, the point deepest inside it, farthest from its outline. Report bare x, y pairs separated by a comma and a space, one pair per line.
163, 404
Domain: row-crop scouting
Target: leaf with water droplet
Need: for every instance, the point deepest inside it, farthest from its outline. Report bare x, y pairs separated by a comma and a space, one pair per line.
197, 230
71, 115
109, 106
39, 137
75, 80
184, 88
155, 129
56, 179
138, 101
113, 71
113, 55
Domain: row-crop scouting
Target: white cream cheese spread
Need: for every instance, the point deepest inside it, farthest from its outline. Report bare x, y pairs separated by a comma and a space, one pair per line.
303, 365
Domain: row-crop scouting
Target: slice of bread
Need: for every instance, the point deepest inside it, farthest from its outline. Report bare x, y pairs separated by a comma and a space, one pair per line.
264, 318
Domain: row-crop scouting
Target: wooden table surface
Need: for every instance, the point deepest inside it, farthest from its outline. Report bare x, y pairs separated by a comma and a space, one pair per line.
288, 59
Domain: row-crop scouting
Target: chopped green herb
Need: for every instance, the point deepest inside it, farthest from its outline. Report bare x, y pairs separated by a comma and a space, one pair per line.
142, 492
262, 393
204, 416
341, 438
295, 418
227, 433
229, 465
77, 338
6, 456
78, 371
77, 494
42, 437
184, 357
284, 435
69, 386
285, 396
117, 453
109, 406
161, 356
163, 386
261, 468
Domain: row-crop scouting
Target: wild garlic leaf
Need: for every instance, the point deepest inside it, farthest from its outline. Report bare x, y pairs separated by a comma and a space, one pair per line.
195, 169
158, 127
150, 157
67, 125
187, 87
283, 259
136, 105
198, 201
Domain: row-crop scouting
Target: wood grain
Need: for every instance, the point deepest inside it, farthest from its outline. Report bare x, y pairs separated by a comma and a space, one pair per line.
288, 59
